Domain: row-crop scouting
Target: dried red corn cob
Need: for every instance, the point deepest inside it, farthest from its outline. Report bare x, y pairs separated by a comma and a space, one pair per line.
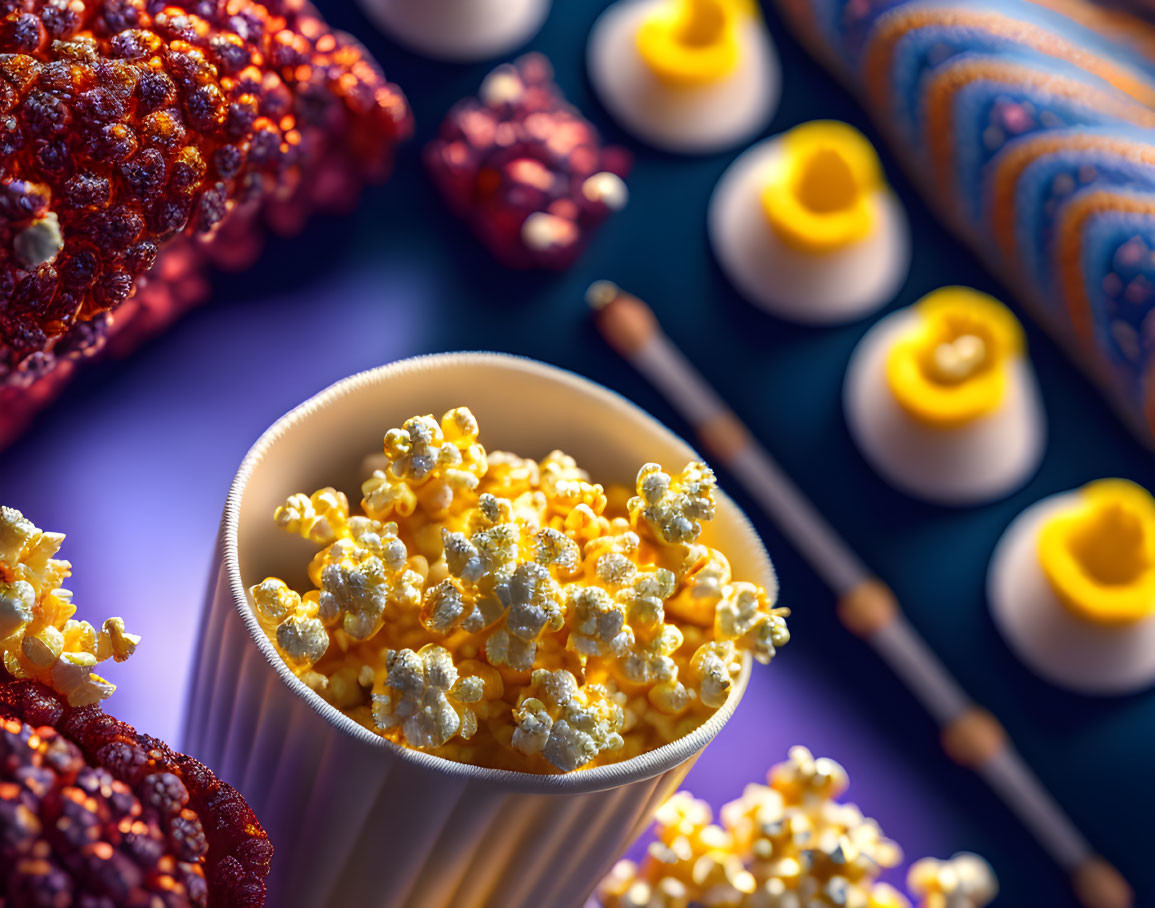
128, 127
92, 813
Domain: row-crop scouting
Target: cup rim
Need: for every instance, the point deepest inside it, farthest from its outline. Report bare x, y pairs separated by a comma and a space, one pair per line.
643, 766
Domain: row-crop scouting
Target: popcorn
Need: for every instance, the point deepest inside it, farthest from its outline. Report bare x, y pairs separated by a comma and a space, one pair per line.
441, 459
534, 606
566, 486
674, 507
598, 623
386, 495
713, 670
423, 694
39, 639
318, 517
302, 640
509, 476
964, 881
510, 613
360, 578
704, 584
744, 616
554, 549
114, 642
570, 724
274, 600
16, 603
788, 844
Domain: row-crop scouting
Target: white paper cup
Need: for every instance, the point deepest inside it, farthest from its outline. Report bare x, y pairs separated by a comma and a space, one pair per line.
357, 820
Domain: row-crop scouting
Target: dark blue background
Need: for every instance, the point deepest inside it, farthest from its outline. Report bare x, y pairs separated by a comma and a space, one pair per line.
400, 276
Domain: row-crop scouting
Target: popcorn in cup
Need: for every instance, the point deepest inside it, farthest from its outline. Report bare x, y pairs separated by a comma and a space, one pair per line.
365, 808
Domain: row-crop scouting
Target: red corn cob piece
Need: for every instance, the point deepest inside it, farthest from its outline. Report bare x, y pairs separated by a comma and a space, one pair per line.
96, 815
140, 141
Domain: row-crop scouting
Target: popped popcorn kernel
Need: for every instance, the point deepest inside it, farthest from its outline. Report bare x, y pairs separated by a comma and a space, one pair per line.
274, 600
39, 638
492, 609
598, 623
674, 507
385, 495
535, 605
302, 640
423, 694
567, 486
963, 881
568, 723
114, 641
713, 670
319, 517
789, 844
362, 579
509, 476
435, 460
554, 549
532, 728
704, 584
17, 601
744, 616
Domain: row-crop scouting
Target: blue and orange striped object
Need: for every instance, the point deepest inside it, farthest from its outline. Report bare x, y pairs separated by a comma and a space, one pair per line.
1031, 127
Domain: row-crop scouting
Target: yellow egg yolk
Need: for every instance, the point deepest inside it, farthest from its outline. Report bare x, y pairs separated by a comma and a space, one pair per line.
688, 43
822, 193
951, 368
1099, 556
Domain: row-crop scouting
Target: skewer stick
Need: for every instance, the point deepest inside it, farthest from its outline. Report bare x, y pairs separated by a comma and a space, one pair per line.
970, 735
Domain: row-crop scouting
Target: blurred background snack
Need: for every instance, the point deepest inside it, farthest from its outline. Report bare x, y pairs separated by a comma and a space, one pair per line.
791, 843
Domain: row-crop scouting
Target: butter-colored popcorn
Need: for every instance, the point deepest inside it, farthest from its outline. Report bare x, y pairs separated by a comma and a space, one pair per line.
444, 607
703, 586
713, 670
788, 844
39, 638
555, 550
16, 533
424, 694
509, 476
567, 486
488, 608
17, 600
114, 642
302, 640
567, 723
963, 881
319, 517
433, 461
598, 623
744, 616
674, 507
360, 579
384, 495
274, 600
535, 605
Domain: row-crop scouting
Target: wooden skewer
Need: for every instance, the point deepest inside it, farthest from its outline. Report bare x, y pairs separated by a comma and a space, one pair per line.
970, 735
